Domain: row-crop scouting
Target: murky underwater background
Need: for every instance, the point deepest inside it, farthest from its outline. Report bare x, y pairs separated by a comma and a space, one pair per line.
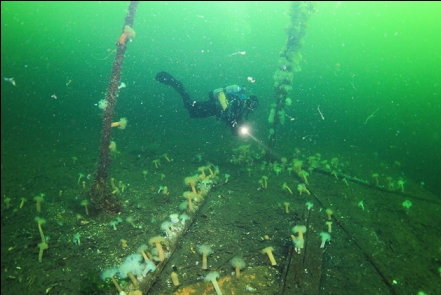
371, 69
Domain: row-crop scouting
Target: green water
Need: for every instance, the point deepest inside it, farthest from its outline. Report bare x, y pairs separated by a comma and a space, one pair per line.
368, 94
358, 58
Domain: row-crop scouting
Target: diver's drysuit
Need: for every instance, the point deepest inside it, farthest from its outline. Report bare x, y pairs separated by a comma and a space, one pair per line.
228, 103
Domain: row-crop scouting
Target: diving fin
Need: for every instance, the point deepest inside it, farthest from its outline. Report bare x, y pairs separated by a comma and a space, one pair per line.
165, 78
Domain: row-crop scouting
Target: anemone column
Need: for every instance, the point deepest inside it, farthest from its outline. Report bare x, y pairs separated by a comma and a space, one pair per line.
100, 193
289, 59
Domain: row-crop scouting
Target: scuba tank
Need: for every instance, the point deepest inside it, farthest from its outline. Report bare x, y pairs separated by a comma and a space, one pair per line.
233, 89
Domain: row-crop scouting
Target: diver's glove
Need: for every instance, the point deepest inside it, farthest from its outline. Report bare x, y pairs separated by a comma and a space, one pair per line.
234, 127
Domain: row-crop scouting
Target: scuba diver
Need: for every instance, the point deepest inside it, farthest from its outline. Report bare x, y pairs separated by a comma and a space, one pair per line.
228, 104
